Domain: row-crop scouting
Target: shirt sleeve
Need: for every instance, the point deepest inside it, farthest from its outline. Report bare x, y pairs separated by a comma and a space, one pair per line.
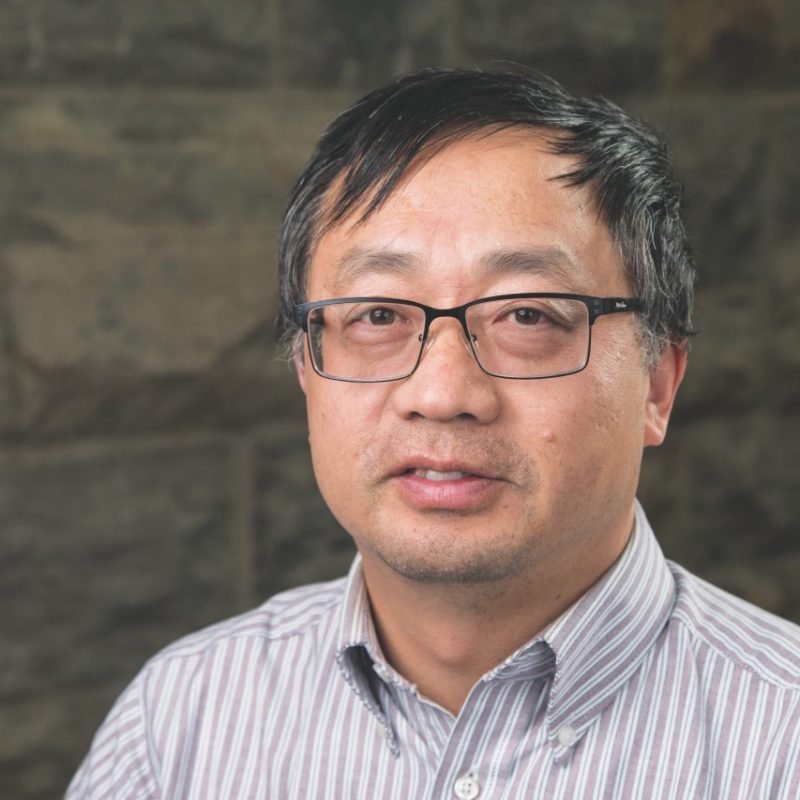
118, 765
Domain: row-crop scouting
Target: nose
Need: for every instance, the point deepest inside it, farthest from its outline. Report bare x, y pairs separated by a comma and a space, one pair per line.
448, 383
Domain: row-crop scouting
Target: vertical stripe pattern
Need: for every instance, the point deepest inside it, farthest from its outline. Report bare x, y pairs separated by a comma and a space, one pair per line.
654, 684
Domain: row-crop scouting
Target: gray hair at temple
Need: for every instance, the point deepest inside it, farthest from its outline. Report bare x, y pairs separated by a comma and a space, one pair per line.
367, 149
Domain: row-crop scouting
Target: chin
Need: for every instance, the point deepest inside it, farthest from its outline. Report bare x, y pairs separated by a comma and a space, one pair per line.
466, 571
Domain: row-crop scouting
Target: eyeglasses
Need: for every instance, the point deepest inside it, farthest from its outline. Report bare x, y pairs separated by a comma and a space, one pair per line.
519, 336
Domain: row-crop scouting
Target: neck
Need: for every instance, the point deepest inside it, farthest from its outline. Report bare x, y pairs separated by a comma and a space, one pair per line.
444, 637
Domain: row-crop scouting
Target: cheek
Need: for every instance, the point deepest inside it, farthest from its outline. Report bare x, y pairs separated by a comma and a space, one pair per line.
619, 387
329, 440
615, 442
342, 421
587, 426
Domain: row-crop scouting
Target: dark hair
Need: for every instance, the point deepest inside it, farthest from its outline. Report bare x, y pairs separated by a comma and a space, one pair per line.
624, 161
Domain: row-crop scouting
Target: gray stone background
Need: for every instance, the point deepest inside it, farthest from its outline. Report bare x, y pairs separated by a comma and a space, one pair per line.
154, 475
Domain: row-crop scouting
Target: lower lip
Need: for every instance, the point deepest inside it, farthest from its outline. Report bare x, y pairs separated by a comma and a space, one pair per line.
469, 493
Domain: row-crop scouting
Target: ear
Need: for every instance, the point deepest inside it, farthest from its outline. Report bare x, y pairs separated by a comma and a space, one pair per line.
299, 362
665, 378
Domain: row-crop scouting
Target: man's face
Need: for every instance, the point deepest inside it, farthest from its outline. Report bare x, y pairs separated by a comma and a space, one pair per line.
452, 475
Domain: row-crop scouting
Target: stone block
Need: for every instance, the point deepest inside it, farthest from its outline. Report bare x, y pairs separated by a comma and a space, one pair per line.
297, 540
733, 44
17, 45
786, 195
736, 500
9, 399
770, 583
112, 41
790, 30
357, 42
9, 407
51, 734
611, 48
138, 252
720, 154
108, 556
781, 318
19, 392
728, 362
720, 494
105, 556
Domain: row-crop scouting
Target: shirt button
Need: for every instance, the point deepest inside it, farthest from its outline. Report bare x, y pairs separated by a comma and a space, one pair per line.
567, 735
467, 788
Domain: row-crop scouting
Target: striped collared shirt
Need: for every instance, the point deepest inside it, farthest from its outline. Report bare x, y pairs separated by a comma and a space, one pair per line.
652, 685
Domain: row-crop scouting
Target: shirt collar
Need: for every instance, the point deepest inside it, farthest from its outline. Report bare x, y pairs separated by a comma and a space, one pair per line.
591, 650
602, 640
358, 653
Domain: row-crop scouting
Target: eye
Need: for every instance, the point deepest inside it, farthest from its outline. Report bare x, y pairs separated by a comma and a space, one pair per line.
527, 316
381, 316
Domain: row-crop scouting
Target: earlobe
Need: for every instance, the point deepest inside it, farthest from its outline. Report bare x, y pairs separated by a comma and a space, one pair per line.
665, 378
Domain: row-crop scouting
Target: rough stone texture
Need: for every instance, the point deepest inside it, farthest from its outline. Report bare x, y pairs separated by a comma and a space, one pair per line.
243, 42
105, 211
723, 516
42, 752
103, 41
720, 154
768, 582
297, 540
106, 556
784, 307
787, 176
734, 43
9, 382
611, 47
789, 34
782, 356
357, 42
727, 368
16, 49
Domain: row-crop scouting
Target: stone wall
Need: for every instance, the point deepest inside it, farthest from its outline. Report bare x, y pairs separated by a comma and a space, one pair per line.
154, 475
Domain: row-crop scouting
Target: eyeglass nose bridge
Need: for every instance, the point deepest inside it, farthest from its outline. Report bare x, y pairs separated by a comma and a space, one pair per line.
459, 313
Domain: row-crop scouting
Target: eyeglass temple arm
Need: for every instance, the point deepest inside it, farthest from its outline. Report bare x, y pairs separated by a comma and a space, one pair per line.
613, 305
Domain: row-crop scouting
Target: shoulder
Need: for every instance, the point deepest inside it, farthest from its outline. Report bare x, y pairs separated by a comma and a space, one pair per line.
299, 612
195, 679
728, 628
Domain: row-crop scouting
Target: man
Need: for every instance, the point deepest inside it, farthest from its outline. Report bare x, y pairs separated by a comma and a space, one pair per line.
486, 291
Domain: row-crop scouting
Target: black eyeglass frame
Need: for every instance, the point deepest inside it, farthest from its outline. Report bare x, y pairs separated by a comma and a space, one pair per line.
596, 307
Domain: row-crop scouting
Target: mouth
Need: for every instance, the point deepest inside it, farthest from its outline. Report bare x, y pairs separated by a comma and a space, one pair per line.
433, 469
436, 475
441, 486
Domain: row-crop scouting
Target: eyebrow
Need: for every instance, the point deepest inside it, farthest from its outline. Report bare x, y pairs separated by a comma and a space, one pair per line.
549, 262
359, 262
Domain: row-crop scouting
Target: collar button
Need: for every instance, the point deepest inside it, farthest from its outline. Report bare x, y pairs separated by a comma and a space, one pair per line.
567, 735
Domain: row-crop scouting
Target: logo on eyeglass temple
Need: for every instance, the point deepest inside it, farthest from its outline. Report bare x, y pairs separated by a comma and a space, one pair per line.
619, 305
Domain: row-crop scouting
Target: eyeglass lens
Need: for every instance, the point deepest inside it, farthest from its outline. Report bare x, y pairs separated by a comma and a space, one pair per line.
514, 338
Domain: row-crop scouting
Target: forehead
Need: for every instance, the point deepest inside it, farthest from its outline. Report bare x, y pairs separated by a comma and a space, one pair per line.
487, 203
